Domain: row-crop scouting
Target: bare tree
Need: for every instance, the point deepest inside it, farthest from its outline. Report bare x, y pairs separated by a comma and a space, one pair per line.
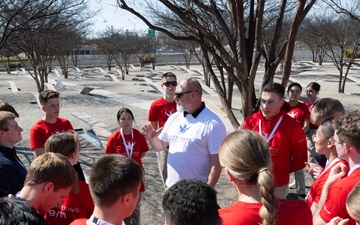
340, 34
43, 36
349, 8
238, 48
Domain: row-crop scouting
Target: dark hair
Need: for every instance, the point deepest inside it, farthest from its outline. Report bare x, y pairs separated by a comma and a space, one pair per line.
4, 106
168, 74
114, 176
16, 211
327, 128
44, 96
275, 88
294, 85
314, 86
190, 202
121, 111
326, 108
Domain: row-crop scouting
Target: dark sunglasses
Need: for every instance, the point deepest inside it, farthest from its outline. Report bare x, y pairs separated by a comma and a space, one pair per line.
168, 83
180, 94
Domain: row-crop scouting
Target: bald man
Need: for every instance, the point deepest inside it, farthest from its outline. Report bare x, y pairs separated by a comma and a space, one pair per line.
193, 134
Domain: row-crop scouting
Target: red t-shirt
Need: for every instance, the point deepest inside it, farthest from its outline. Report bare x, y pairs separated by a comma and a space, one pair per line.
74, 206
336, 199
316, 188
161, 110
300, 113
115, 145
42, 130
287, 147
79, 221
288, 212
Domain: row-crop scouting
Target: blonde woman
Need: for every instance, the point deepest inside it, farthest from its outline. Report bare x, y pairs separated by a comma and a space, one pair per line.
246, 158
75, 205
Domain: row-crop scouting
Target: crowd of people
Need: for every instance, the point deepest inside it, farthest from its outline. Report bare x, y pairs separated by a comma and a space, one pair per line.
316, 136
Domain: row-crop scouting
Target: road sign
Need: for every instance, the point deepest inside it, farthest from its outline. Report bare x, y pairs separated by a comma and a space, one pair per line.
151, 33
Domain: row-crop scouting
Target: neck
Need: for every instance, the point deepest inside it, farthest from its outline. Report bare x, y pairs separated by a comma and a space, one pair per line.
354, 159
6, 144
312, 100
31, 195
169, 98
331, 155
49, 119
126, 130
247, 193
108, 215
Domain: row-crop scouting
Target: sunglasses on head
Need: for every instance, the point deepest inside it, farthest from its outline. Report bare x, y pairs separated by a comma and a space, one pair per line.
168, 83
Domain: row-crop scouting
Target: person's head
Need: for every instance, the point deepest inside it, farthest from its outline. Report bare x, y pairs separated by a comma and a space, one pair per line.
312, 90
326, 108
323, 137
66, 144
347, 133
15, 211
169, 83
188, 95
54, 176
245, 155
353, 203
191, 202
272, 99
4, 106
294, 92
49, 101
10, 131
125, 118
115, 180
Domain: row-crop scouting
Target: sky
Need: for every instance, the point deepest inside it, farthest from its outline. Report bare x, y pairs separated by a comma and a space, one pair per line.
111, 15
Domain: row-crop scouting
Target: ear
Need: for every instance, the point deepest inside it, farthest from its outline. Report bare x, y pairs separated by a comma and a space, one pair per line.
42, 108
282, 100
126, 199
49, 187
231, 178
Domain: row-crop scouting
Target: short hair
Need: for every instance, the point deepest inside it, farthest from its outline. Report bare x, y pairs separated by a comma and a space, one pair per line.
327, 128
353, 201
16, 211
314, 85
326, 108
168, 74
190, 202
122, 110
5, 116
246, 155
114, 176
44, 96
64, 143
294, 84
55, 168
347, 128
274, 88
4, 106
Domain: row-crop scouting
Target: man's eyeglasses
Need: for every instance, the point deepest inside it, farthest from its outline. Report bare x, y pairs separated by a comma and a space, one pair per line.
168, 83
336, 142
180, 94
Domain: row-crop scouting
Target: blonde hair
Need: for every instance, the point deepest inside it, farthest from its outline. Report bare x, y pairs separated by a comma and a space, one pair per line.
353, 201
247, 157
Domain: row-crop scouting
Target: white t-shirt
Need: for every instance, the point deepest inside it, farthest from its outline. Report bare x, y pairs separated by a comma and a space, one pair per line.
191, 142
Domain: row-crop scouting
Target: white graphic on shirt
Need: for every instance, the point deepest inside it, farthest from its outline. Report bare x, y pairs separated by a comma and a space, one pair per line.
292, 114
168, 114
